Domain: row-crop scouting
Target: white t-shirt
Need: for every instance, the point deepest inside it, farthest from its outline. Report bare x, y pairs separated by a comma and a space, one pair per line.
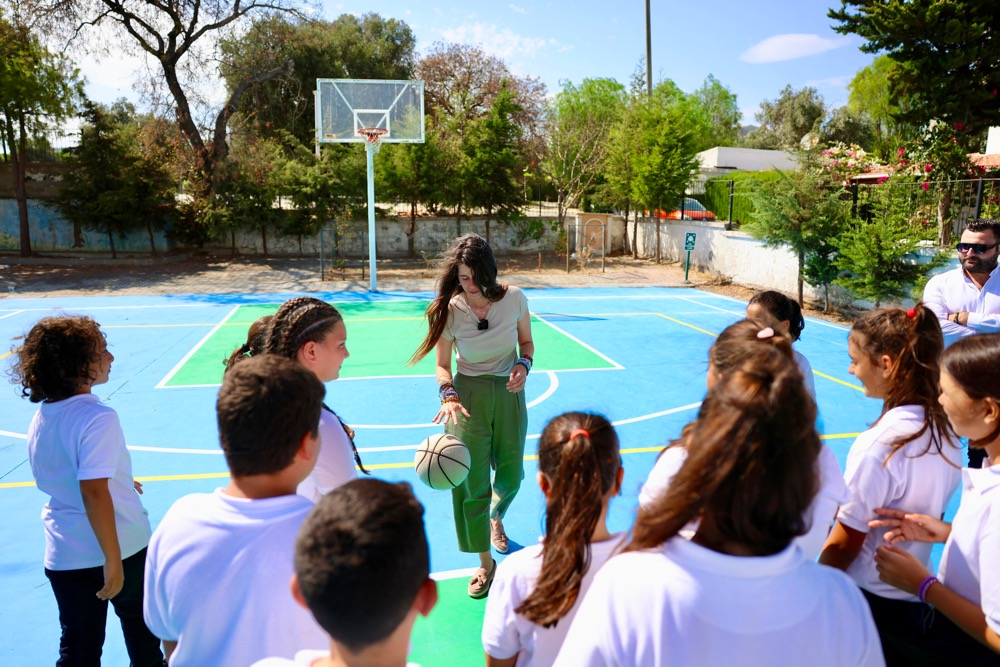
953, 292
910, 480
217, 576
683, 604
73, 440
807, 372
506, 633
490, 351
972, 553
301, 659
335, 464
820, 515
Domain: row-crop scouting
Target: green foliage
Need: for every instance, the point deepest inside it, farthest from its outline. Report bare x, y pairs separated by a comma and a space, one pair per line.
722, 114
785, 121
879, 258
247, 196
848, 127
366, 47
666, 158
947, 53
116, 183
716, 197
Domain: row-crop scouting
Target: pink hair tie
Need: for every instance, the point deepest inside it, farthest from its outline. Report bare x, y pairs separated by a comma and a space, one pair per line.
911, 313
766, 332
578, 431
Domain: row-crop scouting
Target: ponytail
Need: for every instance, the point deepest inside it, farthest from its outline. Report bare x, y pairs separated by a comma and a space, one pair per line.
782, 309
578, 454
254, 345
912, 339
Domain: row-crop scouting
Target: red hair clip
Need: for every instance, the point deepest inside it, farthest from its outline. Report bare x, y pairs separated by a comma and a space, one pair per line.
577, 432
911, 313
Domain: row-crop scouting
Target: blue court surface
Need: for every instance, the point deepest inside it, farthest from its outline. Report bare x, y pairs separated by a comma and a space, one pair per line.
638, 355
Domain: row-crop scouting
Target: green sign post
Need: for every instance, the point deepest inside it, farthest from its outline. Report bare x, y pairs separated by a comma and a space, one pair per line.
689, 239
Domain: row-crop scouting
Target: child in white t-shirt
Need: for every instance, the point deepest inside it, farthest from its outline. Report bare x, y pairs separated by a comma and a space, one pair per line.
312, 332
963, 628
219, 564
738, 344
537, 590
907, 459
362, 567
738, 592
788, 314
96, 529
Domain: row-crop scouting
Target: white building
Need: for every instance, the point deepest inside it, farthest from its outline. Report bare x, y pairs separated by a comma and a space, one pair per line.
723, 160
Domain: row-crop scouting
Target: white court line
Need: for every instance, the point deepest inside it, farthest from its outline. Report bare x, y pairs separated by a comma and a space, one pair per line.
22, 436
191, 352
454, 574
164, 305
654, 415
553, 385
12, 314
172, 450
580, 342
822, 323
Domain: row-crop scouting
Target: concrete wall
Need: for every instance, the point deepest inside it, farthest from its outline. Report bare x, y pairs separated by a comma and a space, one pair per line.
49, 231
746, 159
41, 179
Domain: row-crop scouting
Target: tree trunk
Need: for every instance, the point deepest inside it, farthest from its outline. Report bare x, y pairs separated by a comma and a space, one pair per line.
635, 236
232, 237
802, 261
111, 242
657, 214
263, 238
944, 227
77, 234
152, 244
826, 299
411, 250
625, 247
18, 152
489, 212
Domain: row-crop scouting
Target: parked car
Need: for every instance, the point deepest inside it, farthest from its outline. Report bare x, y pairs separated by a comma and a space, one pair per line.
693, 210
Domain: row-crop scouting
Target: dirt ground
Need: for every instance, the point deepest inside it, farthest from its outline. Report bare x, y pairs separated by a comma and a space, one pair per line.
54, 276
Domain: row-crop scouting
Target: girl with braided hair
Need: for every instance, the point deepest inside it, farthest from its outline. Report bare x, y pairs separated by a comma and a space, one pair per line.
313, 333
538, 589
739, 592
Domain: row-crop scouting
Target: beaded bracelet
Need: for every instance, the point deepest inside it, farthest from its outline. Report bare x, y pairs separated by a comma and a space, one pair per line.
529, 358
524, 362
448, 393
926, 586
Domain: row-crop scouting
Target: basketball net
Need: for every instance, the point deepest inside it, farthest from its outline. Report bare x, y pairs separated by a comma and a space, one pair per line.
373, 135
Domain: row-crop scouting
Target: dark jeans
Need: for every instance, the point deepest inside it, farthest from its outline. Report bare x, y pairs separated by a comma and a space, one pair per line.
83, 617
915, 634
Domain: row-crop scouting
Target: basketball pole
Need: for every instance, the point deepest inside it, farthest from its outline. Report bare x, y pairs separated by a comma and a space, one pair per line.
370, 154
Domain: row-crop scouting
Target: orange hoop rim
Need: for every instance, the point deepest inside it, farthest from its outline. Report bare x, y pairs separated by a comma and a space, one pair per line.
372, 135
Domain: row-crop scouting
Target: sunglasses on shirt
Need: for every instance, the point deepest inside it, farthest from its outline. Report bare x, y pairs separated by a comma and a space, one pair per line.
977, 248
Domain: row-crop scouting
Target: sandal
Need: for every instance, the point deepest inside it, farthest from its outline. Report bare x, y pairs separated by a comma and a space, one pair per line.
479, 585
498, 537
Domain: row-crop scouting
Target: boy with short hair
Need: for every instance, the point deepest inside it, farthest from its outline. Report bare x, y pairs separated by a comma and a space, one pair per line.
362, 567
218, 565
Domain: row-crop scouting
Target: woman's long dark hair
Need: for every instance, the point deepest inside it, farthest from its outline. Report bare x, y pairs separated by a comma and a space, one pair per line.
974, 362
474, 252
783, 309
578, 454
256, 335
915, 344
750, 471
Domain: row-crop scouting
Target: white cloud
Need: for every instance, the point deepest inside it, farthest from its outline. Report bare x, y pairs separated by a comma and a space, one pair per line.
517, 9
501, 42
790, 47
831, 82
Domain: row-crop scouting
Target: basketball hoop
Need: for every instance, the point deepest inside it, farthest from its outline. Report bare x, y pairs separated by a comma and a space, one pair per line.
373, 135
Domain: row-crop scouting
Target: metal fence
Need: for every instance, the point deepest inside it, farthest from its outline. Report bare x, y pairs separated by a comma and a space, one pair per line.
50, 146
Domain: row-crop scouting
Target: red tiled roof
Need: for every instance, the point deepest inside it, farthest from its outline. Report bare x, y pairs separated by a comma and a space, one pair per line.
988, 161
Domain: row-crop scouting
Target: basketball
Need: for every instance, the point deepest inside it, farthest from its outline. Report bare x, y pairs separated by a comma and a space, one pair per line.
442, 461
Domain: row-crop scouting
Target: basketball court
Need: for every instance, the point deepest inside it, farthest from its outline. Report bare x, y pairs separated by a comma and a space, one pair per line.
638, 355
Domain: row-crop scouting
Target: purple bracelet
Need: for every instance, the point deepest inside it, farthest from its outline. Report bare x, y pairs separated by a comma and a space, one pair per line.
925, 586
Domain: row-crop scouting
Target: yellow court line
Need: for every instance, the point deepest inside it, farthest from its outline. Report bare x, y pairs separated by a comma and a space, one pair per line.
838, 381
682, 323
838, 436
5, 355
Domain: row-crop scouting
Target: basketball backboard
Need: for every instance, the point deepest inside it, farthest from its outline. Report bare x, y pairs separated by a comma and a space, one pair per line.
345, 106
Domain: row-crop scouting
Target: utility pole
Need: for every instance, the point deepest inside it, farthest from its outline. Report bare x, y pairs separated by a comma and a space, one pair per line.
649, 56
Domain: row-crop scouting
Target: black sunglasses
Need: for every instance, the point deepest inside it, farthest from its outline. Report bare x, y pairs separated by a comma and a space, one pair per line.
978, 248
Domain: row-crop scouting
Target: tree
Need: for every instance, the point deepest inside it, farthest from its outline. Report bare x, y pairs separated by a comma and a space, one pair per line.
722, 112
618, 168
941, 160
947, 52
785, 121
848, 127
666, 158
116, 185
351, 47
182, 40
804, 211
495, 163
37, 88
579, 124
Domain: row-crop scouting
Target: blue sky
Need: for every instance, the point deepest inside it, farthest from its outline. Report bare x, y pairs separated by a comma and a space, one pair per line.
754, 47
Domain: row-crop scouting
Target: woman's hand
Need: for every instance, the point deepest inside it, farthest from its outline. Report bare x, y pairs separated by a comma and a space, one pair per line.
518, 377
906, 527
899, 568
450, 411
